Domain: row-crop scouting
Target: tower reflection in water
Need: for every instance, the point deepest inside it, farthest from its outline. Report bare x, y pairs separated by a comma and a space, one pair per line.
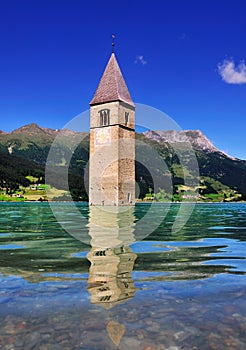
112, 231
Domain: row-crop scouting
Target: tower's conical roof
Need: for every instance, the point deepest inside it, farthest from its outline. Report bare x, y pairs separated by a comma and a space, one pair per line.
112, 86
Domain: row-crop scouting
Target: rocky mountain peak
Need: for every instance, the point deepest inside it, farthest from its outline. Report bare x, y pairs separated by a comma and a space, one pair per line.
34, 130
195, 137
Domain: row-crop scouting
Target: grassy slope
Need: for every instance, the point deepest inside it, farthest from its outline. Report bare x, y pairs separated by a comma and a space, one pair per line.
30, 148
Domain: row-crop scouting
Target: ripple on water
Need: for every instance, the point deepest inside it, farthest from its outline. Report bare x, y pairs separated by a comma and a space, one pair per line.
190, 288
226, 228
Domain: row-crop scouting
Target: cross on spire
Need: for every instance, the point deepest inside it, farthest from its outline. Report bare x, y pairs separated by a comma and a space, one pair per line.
113, 43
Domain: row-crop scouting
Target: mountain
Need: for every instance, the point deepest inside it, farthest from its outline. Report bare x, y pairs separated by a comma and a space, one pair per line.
33, 142
34, 130
13, 171
195, 137
214, 165
24, 152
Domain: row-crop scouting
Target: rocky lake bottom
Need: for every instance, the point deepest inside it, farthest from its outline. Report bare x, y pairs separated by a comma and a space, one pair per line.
76, 279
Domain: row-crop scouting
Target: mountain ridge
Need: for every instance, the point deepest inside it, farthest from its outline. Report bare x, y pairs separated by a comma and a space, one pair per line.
196, 138
33, 129
170, 136
32, 142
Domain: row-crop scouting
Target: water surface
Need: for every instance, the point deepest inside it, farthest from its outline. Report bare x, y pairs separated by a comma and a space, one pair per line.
120, 287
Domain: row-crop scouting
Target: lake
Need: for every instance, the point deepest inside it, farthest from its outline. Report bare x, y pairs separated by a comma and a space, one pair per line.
151, 277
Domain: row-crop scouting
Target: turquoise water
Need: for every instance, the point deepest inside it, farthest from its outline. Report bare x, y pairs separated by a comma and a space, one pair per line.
97, 280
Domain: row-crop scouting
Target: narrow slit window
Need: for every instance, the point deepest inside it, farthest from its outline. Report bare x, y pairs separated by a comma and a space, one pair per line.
126, 117
129, 197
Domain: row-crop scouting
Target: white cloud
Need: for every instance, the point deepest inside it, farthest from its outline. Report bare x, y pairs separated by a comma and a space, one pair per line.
140, 59
231, 74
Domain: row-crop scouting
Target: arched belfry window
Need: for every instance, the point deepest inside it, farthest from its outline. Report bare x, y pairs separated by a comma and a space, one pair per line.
104, 117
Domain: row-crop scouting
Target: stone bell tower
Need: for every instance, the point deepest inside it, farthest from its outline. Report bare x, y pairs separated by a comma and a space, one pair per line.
112, 141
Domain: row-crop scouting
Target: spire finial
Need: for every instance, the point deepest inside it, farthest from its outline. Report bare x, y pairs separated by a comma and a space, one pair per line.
113, 44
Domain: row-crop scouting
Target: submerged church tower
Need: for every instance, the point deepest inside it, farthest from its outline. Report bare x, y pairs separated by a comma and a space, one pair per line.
112, 141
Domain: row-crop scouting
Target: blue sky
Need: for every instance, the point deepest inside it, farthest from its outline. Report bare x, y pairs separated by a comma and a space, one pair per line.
185, 58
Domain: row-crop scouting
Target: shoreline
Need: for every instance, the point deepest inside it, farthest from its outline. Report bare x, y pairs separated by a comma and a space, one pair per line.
137, 202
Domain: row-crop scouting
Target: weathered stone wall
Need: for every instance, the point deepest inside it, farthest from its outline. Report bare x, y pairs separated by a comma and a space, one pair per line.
112, 157
126, 166
117, 114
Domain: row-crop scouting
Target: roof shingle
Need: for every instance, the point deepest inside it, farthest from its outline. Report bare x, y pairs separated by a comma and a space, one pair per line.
112, 86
